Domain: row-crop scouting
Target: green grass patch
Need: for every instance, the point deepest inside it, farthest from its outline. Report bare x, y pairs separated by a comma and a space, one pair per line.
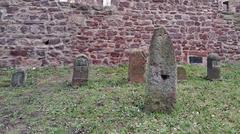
109, 104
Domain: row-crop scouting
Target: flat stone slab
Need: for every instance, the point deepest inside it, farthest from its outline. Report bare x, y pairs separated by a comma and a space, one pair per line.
80, 71
18, 78
213, 67
181, 73
137, 66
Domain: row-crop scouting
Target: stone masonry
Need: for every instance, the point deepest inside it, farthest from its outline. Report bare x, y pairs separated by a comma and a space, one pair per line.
38, 33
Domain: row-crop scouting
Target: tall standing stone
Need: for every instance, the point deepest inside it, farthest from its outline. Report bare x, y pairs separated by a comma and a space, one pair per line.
213, 67
80, 71
137, 66
18, 78
162, 75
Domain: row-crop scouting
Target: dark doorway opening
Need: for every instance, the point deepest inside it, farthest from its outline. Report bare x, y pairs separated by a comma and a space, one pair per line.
195, 60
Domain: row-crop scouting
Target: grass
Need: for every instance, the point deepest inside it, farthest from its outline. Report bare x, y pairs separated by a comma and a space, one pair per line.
109, 104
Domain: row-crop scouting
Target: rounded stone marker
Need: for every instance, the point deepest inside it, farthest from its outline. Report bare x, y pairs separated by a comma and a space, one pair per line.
213, 67
162, 74
137, 66
18, 78
181, 73
80, 71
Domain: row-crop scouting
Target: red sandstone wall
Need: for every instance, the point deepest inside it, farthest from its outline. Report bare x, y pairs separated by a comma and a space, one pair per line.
39, 33
107, 36
34, 33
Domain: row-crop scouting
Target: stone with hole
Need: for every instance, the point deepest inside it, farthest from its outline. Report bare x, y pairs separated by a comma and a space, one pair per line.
181, 73
162, 75
18, 78
80, 71
213, 67
137, 66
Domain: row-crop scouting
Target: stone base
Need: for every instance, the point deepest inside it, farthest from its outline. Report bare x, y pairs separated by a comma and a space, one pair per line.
157, 102
79, 82
214, 74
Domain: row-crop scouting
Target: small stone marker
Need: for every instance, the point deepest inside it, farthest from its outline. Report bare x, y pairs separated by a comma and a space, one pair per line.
137, 66
18, 78
162, 74
181, 73
213, 67
1, 72
80, 71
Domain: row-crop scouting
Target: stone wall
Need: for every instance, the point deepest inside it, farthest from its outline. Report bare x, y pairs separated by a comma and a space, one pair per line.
46, 32
34, 33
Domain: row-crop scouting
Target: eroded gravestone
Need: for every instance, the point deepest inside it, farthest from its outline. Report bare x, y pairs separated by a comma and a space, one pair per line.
80, 71
1, 72
181, 73
162, 75
213, 67
18, 78
137, 66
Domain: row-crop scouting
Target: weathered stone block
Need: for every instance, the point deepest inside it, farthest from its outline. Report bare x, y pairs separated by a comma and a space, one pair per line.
18, 78
162, 75
12, 9
137, 66
80, 71
181, 73
213, 67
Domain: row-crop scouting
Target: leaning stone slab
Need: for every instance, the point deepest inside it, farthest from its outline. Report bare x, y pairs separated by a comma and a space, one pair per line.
181, 73
137, 66
18, 78
162, 74
80, 71
213, 67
